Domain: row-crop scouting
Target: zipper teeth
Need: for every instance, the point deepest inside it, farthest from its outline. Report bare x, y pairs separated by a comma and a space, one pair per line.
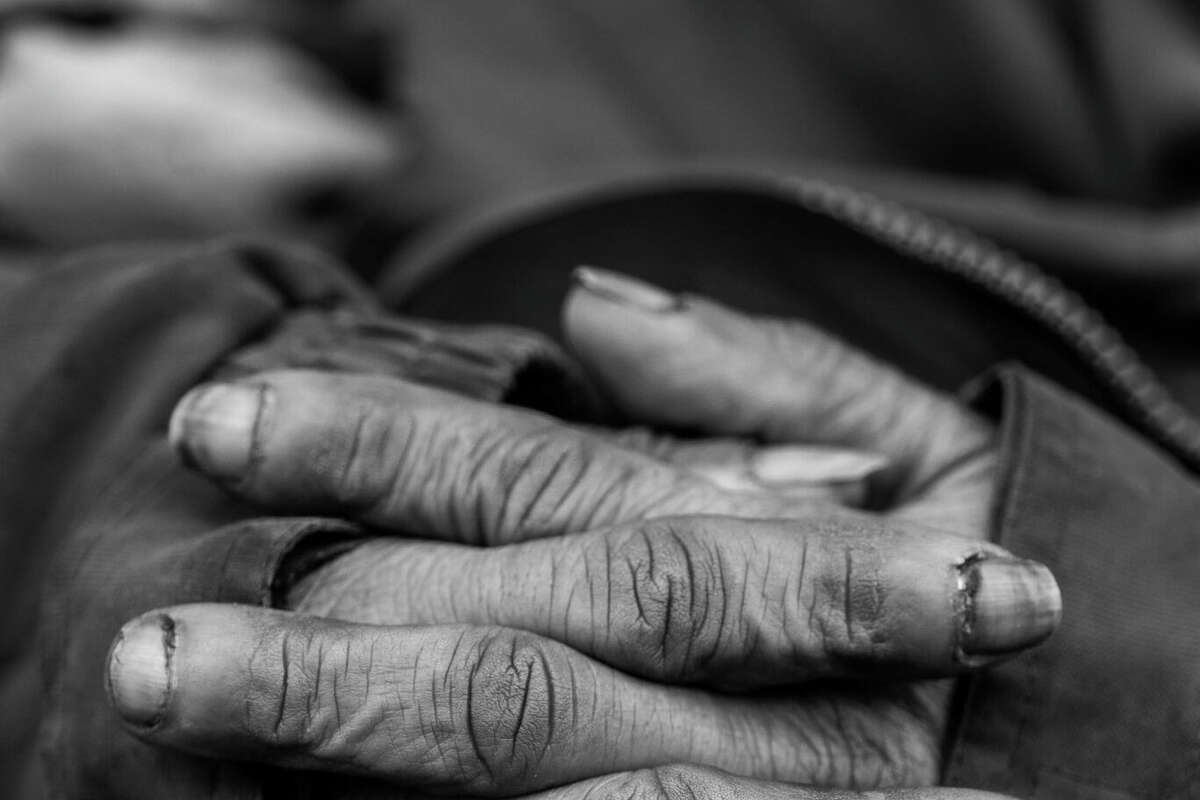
1041, 296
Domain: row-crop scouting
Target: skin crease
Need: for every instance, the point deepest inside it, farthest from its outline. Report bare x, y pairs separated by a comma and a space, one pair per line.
883, 737
829, 734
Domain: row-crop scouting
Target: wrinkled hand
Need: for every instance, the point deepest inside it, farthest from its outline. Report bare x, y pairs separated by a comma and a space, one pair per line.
673, 578
685, 362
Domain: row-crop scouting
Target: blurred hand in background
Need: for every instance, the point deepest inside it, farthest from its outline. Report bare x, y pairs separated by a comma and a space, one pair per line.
162, 119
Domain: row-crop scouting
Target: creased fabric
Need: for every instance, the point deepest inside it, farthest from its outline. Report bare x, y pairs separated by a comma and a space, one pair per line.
99, 521
1109, 707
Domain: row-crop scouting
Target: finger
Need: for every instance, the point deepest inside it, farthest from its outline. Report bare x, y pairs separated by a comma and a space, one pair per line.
452, 710
689, 782
720, 601
425, 462
818, 472
684, 361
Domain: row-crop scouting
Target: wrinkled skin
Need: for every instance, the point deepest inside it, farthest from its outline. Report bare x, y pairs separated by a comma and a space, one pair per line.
567, 553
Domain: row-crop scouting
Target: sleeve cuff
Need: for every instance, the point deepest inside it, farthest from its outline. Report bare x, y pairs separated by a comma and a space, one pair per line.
1108, 708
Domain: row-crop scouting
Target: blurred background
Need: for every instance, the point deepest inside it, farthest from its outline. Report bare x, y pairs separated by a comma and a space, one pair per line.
352, 124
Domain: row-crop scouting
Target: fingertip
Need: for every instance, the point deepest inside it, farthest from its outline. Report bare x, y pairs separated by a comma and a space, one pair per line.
1008, 605
606, 310
213, 427
140, 669
780, 466
625, 290
642, 345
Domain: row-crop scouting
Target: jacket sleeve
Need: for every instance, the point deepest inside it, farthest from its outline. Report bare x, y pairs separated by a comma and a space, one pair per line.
97, 520
1109, 708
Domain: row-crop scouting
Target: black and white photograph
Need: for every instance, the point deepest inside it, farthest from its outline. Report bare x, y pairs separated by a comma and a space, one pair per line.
599, 399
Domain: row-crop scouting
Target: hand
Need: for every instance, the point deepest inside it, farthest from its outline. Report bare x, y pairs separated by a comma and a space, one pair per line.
149, 130
895, 609
684, 362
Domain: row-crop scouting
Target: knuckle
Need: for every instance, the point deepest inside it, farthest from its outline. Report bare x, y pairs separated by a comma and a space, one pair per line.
841, 388
360, 463
847, 609
294, 699
673, 600
513, 708
550, 477
541, 474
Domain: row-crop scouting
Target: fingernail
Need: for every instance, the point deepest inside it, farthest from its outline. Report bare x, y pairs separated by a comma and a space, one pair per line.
1007, 605
625, 290
786, 465
139, 669
212, 428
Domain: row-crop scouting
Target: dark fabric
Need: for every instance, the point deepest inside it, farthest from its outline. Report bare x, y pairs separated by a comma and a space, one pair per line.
1109, 707
98, 520
1068, 131
488, 362
95, 354
526, 96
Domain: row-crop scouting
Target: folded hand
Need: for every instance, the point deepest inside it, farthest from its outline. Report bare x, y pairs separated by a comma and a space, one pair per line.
609, 577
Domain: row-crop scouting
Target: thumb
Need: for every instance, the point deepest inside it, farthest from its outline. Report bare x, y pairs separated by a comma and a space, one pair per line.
688, 362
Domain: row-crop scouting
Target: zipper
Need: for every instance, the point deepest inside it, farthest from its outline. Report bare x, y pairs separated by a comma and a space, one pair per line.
1141, 395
